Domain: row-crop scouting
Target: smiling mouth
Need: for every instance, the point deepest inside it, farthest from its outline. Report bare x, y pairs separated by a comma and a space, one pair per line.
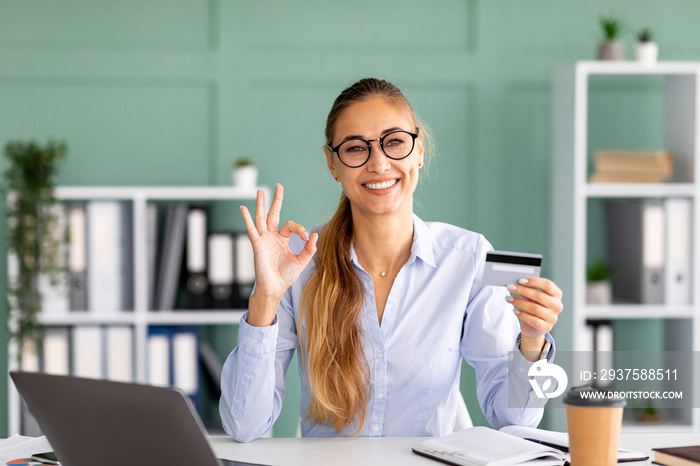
384, 185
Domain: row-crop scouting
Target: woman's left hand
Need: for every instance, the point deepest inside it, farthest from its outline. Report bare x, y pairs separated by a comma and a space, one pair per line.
538, 305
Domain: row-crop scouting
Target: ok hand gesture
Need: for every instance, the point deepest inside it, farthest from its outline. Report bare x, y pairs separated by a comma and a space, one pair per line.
276, 267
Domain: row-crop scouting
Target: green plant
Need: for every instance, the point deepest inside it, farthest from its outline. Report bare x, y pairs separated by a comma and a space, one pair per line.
599, 271
29, 185
611, 27
243, 162
644, 35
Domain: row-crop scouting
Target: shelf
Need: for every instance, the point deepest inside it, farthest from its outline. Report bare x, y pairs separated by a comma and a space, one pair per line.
205, 317
87, 318
638, 311
633, 67
195, 317
639, 190
631, 427
156, 193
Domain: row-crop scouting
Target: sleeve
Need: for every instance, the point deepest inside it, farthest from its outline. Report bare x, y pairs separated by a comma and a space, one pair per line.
252, 380
490, 345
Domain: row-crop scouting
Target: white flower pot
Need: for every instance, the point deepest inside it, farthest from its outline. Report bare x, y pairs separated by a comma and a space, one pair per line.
647, 52
246, 177
599, 292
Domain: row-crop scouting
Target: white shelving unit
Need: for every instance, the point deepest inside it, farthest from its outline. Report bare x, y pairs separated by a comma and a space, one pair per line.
141, 317
572, 195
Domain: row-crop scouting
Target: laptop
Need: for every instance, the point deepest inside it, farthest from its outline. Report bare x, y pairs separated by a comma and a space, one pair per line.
89, 422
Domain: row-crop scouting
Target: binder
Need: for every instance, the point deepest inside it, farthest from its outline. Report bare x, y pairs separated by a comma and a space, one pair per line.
119, 348
604, 346
152, 252
55, 351
171, 256
158, 362
172, 359
185, 364
220, 270
212, 367
636, 249
678, 277
30, 363
77, 256
110, 266
196, 258
245, 269
55, 290
87, 352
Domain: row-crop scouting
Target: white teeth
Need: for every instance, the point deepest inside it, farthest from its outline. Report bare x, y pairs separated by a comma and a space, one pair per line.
384, 185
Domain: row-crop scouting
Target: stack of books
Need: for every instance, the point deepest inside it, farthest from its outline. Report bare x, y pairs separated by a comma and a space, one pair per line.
633, 167
683, 456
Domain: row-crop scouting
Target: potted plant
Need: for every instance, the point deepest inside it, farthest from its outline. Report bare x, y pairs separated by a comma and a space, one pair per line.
649, 414
29, 185
611, 48
647, 50
245, 174
598, 284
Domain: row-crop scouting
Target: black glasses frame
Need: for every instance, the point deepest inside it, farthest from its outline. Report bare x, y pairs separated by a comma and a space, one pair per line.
369, 145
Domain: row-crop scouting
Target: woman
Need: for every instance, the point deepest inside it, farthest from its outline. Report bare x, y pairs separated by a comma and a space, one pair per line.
382, 305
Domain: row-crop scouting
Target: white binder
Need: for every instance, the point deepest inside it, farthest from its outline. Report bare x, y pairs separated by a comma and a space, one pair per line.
88, 352
55, 297
55, 351
120, 353
110, 275
678, 274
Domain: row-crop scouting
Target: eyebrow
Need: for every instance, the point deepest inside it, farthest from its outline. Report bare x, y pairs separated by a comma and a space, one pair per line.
383, 133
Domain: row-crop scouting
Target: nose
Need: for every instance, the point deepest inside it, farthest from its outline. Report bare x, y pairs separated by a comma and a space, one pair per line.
378, 162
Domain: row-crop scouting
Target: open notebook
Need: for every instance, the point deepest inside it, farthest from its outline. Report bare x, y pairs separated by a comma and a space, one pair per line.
482, 446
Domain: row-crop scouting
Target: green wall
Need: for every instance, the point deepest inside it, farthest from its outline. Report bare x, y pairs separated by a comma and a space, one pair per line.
169, 92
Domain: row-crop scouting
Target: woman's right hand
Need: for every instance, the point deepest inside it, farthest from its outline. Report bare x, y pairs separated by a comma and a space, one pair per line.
276, 267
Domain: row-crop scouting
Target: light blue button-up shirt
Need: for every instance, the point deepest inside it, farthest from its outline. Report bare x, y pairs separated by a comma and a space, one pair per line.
437, 313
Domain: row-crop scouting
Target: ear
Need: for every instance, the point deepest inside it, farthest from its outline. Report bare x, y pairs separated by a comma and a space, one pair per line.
331, 163
421, 149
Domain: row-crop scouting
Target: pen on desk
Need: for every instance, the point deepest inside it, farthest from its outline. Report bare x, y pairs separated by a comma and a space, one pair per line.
551, 445
44, 460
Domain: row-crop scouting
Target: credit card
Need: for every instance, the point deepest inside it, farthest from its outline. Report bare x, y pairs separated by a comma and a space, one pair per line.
503, 267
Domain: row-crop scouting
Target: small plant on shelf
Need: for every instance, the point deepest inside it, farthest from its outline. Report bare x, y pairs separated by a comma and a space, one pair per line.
599, 271
611, 48
245, 174
647, 50
599, 287
32, 226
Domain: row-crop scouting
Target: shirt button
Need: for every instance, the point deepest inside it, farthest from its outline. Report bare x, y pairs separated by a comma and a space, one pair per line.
380, 395
380, 356
375, 428
253, 340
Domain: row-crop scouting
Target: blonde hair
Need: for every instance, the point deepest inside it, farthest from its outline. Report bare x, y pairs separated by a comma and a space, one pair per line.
335, 365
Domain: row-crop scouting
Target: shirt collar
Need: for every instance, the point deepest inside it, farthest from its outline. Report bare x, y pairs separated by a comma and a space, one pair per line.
422, 246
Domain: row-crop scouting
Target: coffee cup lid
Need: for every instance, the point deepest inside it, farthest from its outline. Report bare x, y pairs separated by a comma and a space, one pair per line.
586, 395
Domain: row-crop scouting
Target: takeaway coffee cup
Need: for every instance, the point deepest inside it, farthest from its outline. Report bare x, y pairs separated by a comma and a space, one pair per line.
593, 419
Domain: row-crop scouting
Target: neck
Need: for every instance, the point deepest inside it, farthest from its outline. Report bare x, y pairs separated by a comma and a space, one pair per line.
383, 242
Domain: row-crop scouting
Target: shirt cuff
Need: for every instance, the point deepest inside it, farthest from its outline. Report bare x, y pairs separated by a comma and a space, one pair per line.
519, 366
257, 340
519, 362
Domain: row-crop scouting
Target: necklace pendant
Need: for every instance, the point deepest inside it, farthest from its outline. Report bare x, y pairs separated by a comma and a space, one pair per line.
383, 274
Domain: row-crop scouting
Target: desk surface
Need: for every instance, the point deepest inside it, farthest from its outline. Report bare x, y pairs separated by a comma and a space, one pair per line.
385, 451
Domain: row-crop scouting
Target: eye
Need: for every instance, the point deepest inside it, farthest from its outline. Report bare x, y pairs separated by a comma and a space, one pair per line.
354, 147
394, 141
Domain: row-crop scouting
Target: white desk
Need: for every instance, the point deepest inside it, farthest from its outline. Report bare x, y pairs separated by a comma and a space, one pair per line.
387, 451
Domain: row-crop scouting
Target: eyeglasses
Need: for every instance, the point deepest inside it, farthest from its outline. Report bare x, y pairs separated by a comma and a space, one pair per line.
396, 145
